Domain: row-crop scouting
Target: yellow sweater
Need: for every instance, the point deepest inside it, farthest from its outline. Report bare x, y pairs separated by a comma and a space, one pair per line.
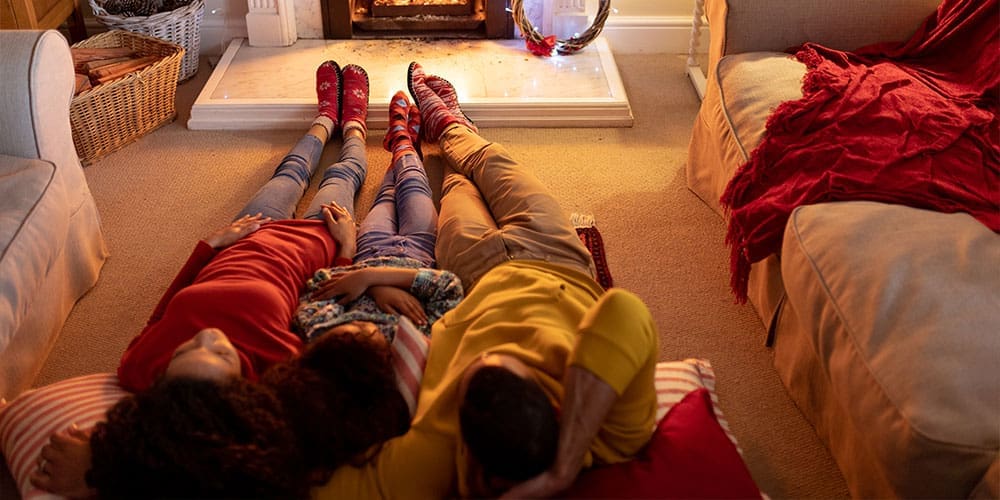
550, 318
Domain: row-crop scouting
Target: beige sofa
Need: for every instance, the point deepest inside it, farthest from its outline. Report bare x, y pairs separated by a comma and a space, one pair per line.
51, 245
885, 319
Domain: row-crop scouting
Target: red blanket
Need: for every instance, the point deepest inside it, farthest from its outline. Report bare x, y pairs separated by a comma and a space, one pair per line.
913, 123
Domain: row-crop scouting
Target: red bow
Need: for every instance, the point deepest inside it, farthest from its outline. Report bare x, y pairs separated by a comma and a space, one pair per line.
544, 48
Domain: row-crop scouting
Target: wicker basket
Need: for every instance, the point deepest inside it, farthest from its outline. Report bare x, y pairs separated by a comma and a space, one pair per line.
181, 26
109, 116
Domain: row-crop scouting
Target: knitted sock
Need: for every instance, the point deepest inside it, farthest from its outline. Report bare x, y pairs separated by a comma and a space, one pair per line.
435, 115
413, 128
446, 91
354, 107
397, 138
327, 123
329, 81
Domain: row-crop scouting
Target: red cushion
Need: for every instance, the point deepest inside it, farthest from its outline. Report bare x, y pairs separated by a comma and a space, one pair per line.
689, 456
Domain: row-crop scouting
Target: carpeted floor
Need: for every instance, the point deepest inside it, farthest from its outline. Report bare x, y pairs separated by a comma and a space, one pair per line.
160, 194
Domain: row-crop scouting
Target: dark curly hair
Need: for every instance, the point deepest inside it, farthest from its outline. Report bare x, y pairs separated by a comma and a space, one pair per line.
508, 424
197, 438
341, 398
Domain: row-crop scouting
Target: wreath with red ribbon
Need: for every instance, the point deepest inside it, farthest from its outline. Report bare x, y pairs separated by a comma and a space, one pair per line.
540, 45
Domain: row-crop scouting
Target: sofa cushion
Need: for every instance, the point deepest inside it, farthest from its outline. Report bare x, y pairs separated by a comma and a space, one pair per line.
34, 219
752, 86
906, 308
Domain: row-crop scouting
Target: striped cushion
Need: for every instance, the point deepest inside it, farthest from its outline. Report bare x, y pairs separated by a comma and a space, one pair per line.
27, 422
409, 355
675, 379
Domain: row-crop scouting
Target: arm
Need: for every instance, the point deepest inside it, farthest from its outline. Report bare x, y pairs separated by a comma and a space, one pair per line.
588, 399
66, 459
203, 253
343, 230
352, 284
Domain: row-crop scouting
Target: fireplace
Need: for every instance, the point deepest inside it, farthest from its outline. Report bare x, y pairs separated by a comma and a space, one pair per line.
433, 19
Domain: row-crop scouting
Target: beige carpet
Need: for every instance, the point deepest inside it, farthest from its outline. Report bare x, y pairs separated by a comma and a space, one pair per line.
160, 194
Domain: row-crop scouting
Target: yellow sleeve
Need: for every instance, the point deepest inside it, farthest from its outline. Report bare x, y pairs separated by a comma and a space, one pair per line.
617, 337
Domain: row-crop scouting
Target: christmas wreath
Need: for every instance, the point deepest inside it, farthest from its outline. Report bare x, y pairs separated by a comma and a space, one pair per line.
544, 45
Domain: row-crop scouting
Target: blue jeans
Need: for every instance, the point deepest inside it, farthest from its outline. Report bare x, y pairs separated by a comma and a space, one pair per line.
402, 221
278, 198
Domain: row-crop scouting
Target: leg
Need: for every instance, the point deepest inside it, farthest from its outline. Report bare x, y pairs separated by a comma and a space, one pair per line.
279, 196
531, 221
342, 180
469, 243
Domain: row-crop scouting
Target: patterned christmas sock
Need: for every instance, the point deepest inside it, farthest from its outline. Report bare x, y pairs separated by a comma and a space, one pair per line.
397, 137
354, 107
446, 91
329, 81
435, 115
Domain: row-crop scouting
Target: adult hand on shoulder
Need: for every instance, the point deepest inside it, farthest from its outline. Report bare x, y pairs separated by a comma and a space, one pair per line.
237, 229
397, 301
64, 463
342, 228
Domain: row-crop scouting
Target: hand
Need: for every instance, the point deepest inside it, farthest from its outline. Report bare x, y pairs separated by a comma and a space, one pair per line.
237, 229
544, 485
64, 463
347, 286
342, 228
397, 301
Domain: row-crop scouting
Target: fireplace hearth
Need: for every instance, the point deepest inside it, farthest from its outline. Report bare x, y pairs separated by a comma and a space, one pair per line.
432, 19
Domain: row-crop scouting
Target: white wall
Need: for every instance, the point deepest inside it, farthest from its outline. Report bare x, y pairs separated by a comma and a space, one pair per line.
659, 26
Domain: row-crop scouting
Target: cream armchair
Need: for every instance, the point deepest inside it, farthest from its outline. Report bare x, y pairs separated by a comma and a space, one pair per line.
51, 245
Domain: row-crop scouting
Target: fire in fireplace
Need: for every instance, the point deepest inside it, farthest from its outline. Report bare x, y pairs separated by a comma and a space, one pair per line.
416, 18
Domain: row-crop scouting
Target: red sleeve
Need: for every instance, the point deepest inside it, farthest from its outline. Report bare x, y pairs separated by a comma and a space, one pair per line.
201, 255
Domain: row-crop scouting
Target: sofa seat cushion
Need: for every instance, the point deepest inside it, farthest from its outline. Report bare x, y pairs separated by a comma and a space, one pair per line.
905, 305
34, 219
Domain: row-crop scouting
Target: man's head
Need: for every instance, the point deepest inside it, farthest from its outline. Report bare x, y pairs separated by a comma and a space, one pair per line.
341, 398
507, 421
197, 438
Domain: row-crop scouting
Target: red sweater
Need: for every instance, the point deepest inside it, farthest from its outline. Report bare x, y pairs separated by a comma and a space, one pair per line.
248, 290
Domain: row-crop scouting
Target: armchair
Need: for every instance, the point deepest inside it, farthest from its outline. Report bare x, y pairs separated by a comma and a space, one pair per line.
51, 245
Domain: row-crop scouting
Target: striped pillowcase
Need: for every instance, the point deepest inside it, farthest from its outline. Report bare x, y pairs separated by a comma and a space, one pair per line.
27, 422
409, 356
675, 379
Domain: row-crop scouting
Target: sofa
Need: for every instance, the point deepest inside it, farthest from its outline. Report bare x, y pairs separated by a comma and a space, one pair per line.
884, 319
51, 245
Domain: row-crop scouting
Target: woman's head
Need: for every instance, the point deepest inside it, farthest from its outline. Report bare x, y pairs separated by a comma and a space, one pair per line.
341, 397
197, 438
208, 355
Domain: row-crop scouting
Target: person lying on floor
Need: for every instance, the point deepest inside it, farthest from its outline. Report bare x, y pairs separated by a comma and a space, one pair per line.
538, 372
197, 426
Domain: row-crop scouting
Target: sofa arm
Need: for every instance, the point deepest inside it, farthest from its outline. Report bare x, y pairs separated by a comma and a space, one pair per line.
738, 26
36, 73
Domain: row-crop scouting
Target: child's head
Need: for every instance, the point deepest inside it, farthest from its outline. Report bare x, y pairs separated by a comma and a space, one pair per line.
341, 397
197, 438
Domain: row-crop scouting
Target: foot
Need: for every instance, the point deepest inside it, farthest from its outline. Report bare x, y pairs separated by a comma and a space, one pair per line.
329, 81
354, 107
397, 137
436, 115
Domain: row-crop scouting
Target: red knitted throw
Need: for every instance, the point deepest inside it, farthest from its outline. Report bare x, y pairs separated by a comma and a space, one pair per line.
911, 123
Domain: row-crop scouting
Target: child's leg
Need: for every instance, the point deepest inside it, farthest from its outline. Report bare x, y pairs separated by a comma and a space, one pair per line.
377, 231
342, 180
279, 196
415, 213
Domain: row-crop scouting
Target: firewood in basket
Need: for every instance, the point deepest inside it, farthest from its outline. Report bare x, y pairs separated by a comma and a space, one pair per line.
117, 70
82, 83
92, 65
82, 55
